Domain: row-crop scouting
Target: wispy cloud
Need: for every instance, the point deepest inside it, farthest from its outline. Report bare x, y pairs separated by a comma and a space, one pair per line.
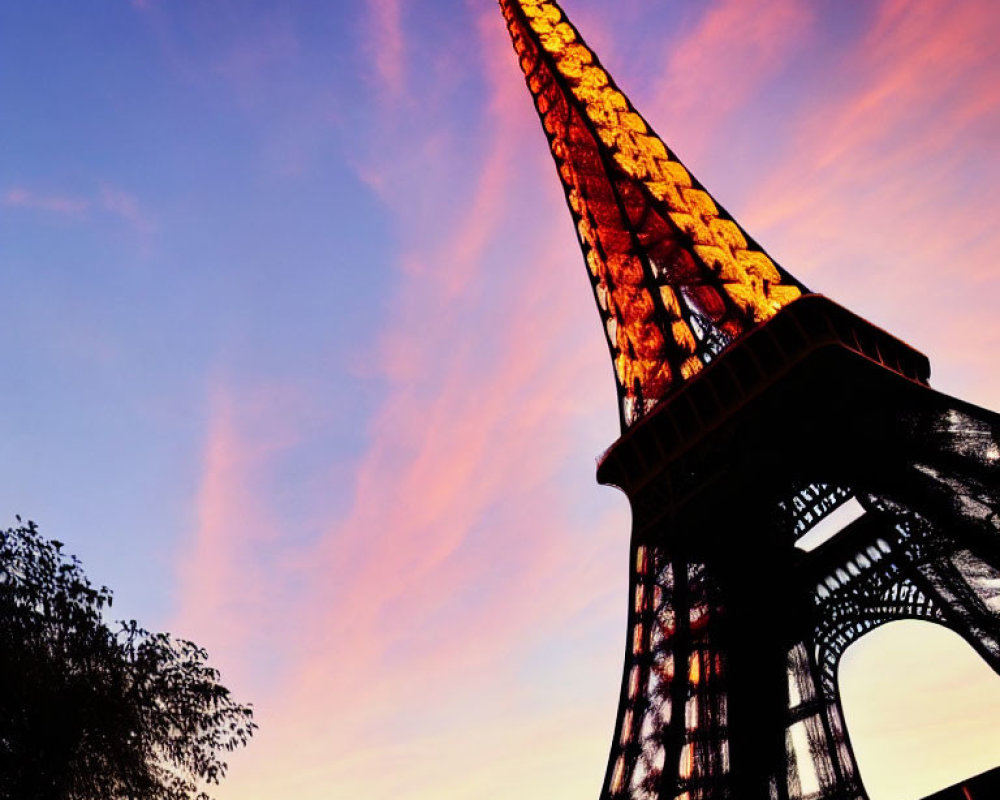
387, 44
874, 202
231, 583
254, 55
455, 564
126, 207
723, 63
20, 197
109, 200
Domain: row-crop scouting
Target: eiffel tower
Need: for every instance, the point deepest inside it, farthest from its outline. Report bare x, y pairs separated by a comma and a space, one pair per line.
794, 480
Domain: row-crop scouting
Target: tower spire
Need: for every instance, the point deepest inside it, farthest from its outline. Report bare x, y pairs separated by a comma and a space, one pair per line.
676, 279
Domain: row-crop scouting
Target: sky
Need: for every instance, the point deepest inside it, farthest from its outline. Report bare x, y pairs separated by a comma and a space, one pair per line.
301, 357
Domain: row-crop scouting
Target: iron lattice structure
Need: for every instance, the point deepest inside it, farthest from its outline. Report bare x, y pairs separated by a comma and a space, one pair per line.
794, 481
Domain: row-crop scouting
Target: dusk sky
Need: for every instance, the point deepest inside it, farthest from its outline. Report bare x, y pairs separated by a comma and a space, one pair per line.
301, 359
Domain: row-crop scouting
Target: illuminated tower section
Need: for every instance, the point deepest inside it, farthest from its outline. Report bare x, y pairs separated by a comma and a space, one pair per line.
794, 481
675, 277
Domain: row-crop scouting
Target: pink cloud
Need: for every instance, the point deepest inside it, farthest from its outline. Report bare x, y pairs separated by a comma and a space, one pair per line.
252, 54
19, 197
246, 436
125, 206
876, 201
938, 63
457, 557
225, 528
388, 44
110, 199
719, 67
931, 68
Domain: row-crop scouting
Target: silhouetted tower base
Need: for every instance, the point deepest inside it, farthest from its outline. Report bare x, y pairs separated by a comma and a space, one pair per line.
735, 628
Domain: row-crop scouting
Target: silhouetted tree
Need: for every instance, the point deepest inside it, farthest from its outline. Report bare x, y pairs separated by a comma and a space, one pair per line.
92, 712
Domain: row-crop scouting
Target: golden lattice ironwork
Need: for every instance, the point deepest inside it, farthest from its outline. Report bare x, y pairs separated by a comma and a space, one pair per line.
675, 277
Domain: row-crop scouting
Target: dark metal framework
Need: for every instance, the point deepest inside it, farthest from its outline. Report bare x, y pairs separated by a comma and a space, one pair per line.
755, 417
735, 628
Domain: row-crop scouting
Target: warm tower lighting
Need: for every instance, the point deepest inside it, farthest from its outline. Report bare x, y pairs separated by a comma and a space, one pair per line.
675, 277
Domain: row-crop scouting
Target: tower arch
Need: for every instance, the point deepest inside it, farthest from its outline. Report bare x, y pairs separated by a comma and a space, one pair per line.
926, 720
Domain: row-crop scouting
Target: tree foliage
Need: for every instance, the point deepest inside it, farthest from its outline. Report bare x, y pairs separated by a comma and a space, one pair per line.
90, 711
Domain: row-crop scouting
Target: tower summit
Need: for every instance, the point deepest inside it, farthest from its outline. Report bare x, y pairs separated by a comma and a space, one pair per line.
794, 481
675, 277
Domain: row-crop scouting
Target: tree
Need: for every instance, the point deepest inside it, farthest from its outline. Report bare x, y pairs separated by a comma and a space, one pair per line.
90, 711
